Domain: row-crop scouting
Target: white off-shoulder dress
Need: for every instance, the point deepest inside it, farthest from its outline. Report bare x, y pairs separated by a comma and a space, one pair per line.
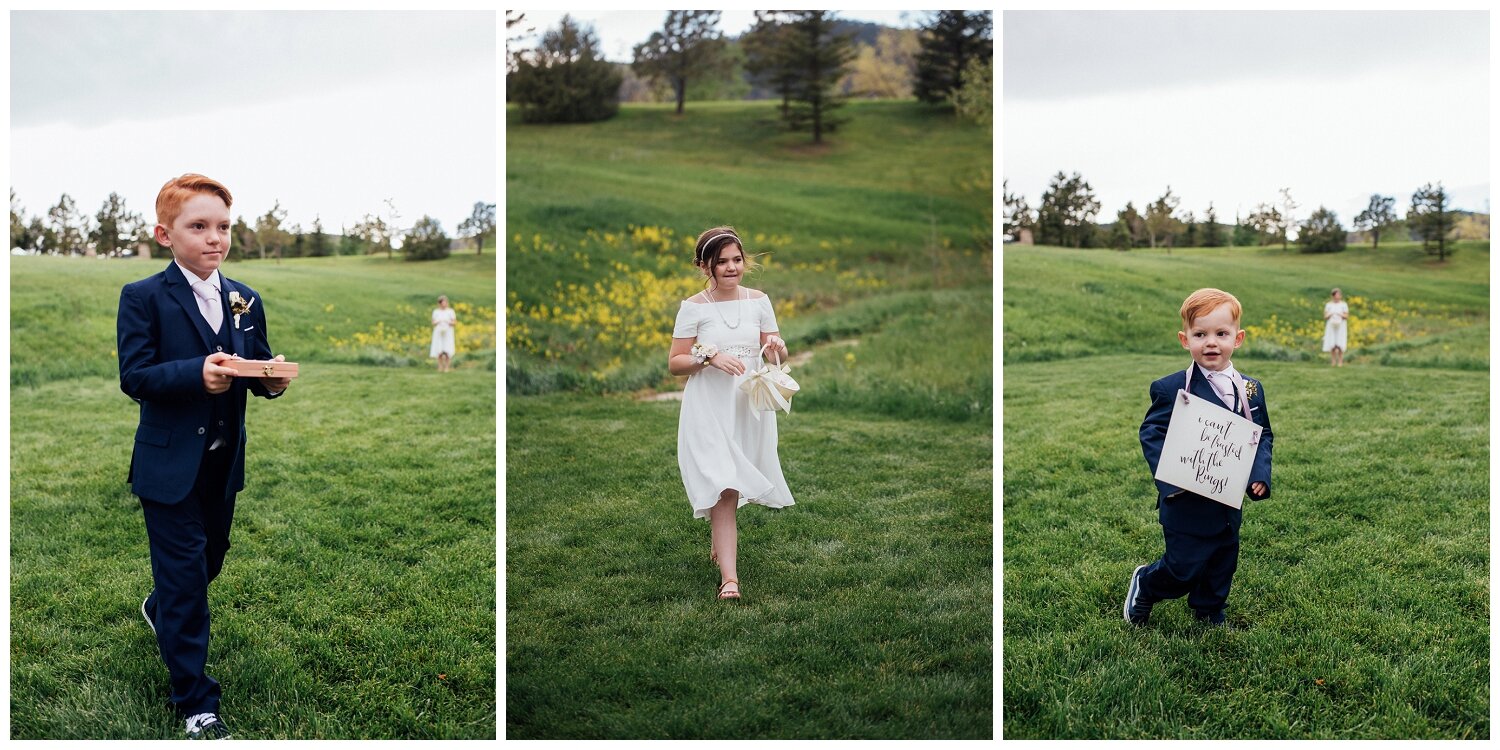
1336, 329
721, 444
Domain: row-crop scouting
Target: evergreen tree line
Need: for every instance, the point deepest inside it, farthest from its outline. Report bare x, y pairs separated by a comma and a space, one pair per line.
1068, 209
117, 232
804, 58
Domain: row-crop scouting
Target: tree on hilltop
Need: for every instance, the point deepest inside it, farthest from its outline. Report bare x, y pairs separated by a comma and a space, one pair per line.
1017, 215
1213, 235
767, 55
1430, 218
949, 42
24, 235
318, 245
1376, 217
689, 45
1286, 217
116, 229
1160, 223
1128, 229
1321, 233
426, 241
565, 79
66, 228
1264, 221
479, 226
1066, 215
821, 59
269, 235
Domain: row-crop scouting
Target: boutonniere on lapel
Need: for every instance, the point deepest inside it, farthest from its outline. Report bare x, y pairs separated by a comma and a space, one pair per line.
1251, 388
238, 306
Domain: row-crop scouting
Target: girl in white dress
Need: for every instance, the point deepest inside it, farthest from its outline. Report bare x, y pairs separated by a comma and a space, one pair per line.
725, 449
1336, 328
443, 320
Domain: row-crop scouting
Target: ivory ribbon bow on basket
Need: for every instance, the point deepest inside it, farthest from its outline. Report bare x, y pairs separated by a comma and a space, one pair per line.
770, 388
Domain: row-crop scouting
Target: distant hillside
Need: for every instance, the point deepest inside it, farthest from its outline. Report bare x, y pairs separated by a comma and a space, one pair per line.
738, 85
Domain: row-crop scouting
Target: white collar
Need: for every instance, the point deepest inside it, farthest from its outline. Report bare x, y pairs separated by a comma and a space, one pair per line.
192, 278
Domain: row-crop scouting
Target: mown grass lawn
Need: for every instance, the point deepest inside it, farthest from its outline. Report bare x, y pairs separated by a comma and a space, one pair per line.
867, 604
1361, 604
358, 598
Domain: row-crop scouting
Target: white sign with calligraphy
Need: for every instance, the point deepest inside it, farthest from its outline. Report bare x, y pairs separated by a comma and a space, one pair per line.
1208, 450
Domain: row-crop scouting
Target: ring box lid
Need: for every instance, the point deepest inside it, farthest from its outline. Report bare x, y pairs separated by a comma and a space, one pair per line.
262, 368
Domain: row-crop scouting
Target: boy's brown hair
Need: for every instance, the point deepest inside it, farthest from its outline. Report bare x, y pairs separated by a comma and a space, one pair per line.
1205, 301
177, 191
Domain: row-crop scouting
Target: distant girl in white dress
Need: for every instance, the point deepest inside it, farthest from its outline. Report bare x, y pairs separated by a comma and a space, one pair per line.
725, 449
443, 320
1336, 328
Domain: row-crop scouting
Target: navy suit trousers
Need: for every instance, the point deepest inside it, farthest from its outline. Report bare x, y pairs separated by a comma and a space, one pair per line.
188, 543
1198, 566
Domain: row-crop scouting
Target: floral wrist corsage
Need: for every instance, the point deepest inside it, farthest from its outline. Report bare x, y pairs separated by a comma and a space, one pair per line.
702, 354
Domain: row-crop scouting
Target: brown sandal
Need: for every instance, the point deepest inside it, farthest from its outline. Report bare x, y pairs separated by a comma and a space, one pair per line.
729, 594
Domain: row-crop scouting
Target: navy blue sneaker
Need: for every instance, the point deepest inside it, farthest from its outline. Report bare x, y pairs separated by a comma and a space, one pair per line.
206, 727
1135, 613
1210, 618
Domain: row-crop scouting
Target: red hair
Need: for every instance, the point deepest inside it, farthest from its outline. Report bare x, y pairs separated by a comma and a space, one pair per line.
1205, 301
178, 190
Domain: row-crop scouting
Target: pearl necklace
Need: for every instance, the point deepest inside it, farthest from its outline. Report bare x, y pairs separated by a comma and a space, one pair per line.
738, 319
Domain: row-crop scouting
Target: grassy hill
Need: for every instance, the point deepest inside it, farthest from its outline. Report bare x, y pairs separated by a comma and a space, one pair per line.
867, 604
1360, 608
1405, 307
601, 220
358, 599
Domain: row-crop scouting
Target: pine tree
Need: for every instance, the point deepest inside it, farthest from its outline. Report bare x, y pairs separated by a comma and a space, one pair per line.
1430, 218
116, 229
1213, 235
565, 79
949, 42
821, 59
766, 55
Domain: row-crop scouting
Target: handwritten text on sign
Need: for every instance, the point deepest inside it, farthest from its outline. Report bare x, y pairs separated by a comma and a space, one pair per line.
1208, 450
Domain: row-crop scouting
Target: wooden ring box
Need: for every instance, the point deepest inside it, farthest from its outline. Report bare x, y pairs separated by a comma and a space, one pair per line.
261, 368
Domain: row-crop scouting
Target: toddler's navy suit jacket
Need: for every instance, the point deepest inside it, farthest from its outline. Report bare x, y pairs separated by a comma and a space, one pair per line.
1180, 510
162, 342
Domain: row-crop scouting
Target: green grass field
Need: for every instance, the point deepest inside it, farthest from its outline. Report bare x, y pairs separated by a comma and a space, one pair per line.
868, 605
358, 599
1361, 604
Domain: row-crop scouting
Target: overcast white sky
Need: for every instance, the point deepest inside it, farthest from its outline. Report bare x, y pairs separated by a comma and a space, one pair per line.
1231, 106
330, 112
620, 30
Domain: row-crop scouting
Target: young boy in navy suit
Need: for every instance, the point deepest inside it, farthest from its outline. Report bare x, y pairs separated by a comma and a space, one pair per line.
1202, 535
175, 331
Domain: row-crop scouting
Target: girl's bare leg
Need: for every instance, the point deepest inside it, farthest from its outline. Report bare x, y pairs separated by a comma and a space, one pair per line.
725, 537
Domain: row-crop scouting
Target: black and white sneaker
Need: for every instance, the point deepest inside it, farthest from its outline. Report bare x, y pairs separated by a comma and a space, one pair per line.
206, 727
147, 616
1136, 614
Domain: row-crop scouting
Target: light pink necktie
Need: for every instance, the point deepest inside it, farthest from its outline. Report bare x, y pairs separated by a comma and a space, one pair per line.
208, 304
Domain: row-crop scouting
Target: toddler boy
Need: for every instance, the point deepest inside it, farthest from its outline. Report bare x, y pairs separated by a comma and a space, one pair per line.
1202, 535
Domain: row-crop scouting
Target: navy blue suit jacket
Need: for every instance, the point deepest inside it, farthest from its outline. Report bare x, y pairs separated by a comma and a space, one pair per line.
1179, 509
163, 340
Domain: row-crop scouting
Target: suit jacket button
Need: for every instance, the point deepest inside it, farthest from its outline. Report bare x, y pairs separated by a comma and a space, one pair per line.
220, 348
221, 423
201, 430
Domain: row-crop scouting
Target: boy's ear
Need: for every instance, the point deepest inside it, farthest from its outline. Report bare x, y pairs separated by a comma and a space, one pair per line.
1239, 338
1182, 338
162, 238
